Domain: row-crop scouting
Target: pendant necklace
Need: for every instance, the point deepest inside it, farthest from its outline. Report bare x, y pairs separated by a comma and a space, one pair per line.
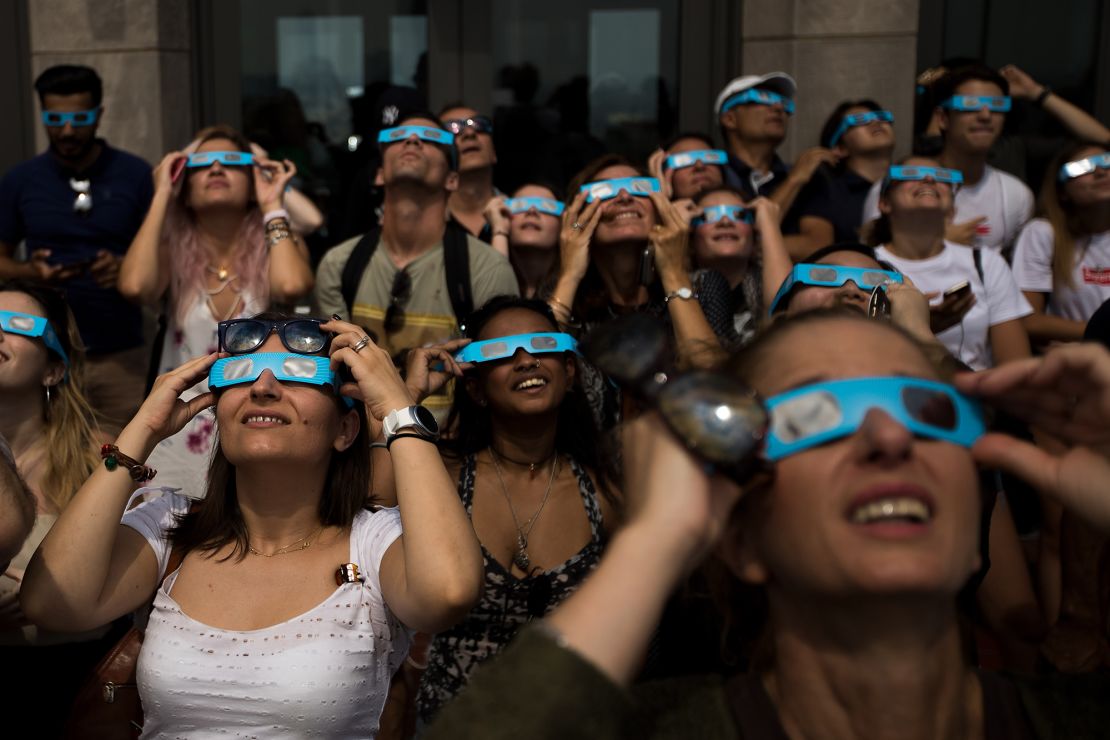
520, 558
304, 542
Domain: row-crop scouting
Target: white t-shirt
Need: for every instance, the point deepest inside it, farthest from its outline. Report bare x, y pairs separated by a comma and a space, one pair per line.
996, 301
1090, 275
324, 673
1004, 199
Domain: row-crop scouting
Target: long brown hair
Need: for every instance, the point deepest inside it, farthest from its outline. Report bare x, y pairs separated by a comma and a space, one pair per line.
72, 436
218, 521
1054, 205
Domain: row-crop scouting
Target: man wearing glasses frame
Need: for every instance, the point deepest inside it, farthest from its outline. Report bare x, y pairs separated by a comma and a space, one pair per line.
77, 207
412, 280
474, 142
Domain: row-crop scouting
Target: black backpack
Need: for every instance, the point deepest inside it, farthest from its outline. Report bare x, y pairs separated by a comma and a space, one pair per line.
456, 264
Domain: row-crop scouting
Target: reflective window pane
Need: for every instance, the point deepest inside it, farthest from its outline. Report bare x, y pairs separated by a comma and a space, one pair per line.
575, 79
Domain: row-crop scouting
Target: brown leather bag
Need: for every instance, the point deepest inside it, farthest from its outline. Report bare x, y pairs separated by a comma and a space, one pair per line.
108, 707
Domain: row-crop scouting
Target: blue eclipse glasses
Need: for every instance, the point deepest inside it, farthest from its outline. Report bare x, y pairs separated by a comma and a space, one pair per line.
30, 325
608, 189
77, 118
910, 173
966, 103
491, 350
227, 159
427, 133
713, 214
689, 159
287, 367
1084, 166
832, 276
860, 119
543, 205
822, 412
759, 97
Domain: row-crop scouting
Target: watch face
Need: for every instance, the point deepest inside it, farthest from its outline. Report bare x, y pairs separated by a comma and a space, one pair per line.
426, 418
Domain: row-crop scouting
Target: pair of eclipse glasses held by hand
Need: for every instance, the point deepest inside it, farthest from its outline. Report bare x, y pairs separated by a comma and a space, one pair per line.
739, 434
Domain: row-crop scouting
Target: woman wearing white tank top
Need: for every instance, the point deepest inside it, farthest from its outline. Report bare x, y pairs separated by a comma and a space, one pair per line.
293, 603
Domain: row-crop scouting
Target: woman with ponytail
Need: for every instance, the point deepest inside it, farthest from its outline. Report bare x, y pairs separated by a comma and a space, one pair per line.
46, 420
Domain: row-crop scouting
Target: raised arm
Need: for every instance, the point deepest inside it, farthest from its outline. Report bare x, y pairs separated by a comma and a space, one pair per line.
91, 569
144, 274
695, 341
291, 275
1079, 122
776, 260
1067, 394
431, 575
580, 219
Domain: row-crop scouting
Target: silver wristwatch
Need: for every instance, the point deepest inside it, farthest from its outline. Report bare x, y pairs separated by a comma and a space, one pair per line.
416, 419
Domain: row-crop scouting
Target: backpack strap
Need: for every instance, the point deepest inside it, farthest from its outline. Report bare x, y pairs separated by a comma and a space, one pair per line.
355, 266
456, 265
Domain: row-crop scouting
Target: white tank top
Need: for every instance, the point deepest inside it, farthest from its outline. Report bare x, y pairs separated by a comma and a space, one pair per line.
322, 674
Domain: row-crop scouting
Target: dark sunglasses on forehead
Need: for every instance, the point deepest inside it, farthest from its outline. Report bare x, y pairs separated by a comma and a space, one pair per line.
481, 124
303, 336
398, 296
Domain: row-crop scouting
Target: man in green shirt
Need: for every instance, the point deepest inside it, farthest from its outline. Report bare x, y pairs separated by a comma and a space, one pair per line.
403, 296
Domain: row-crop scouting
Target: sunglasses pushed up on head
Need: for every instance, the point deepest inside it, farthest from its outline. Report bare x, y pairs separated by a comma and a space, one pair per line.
739, 434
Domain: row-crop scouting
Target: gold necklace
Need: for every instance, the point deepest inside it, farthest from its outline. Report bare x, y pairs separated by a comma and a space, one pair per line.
304, 542
520, 558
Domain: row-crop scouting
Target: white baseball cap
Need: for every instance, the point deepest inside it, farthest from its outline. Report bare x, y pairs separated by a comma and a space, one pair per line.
779, 82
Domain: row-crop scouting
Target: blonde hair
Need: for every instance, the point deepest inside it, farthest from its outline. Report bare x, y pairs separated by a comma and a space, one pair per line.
1055, 206
72, 436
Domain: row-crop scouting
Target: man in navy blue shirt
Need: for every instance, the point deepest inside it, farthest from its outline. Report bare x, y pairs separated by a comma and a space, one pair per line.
77, 207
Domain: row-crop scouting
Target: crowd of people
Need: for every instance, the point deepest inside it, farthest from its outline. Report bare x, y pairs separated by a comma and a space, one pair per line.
710, 445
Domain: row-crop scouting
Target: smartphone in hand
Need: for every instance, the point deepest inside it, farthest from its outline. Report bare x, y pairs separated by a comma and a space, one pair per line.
959, 290
178, 169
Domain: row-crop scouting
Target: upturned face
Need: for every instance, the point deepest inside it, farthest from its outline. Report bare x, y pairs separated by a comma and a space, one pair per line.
625, 217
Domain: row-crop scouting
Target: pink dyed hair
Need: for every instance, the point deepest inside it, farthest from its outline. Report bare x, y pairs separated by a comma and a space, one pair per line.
189, 259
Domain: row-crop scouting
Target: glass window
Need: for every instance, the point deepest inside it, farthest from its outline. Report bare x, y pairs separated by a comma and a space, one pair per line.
575, 79
313, 77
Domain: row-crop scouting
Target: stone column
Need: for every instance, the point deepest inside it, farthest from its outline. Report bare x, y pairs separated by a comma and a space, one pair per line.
836, 50
141, 49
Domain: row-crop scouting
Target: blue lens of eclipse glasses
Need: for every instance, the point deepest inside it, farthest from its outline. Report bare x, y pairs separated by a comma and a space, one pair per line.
823, 412
759, 97
689, 159
286, 367
29, 325
77, 118
427, 133
543, 205
965, 103
911, 173
860, 119
607, 189
227, 159
832, 276
713, 214
1085, 166
502, 347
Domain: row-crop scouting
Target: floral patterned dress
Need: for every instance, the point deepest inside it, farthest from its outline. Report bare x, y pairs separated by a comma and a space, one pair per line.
182, 460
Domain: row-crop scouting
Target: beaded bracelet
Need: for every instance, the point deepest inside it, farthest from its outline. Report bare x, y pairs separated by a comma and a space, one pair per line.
273, 237
113, 458
277, 224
